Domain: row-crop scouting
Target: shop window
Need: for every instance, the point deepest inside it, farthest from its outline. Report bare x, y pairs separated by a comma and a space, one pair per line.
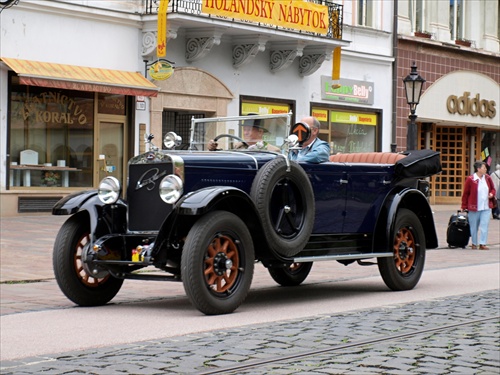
267, 106
348, 132
490, 149
111, 104
180, 123
58, 127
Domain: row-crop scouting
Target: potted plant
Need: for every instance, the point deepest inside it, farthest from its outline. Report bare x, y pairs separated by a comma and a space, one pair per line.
50, 178
423, 34
463, 42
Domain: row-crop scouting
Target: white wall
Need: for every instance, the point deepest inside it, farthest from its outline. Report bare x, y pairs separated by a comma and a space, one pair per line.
66, 33
62, 33
368, 58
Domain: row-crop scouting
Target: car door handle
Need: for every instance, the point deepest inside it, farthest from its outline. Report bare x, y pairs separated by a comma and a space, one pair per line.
385, 182
343, 181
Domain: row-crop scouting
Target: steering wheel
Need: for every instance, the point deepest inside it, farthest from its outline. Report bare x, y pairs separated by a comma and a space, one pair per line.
231, 136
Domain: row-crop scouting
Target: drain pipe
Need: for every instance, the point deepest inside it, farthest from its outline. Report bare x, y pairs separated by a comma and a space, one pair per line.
394, 144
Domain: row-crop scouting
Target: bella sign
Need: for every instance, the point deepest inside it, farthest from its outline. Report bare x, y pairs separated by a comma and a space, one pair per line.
471, 106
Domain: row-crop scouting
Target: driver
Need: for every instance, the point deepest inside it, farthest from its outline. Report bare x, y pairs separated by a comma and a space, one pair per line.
253, 134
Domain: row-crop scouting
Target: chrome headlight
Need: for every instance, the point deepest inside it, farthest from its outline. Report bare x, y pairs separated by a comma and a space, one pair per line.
172, 140
109, 190
171, 188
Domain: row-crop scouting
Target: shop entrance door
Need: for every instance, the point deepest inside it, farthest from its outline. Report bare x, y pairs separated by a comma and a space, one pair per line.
110, 146
452, 142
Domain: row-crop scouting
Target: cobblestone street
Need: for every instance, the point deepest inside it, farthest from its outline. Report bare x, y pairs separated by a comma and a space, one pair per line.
472, 348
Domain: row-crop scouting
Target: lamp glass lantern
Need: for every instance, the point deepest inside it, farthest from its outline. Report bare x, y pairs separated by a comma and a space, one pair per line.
413, 88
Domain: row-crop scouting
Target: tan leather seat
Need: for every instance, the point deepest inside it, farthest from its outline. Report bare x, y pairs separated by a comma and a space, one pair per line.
368, 157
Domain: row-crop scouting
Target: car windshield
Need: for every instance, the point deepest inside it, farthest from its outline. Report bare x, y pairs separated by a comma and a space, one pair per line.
251, 132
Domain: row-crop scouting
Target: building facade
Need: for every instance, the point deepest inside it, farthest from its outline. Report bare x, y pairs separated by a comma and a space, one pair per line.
79, 87
455, 46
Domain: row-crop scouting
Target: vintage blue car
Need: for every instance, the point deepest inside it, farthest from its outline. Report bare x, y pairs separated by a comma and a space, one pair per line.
204, 211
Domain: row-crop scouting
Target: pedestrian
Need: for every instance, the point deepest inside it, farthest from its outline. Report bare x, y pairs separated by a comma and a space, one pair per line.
495, 176
314, 150
477, 199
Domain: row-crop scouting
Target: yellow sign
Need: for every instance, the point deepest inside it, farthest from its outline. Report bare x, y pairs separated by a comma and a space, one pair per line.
263, 109
320, 114
161, 48
161, 70
353, 118
293, 14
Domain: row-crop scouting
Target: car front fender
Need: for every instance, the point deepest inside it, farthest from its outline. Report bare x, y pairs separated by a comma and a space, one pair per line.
72, 203
202, 201
89, 202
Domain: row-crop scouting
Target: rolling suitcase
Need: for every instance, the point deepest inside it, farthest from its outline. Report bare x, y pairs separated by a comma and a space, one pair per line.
458, 232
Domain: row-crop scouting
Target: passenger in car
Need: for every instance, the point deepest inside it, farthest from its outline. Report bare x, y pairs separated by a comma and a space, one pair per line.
314, 150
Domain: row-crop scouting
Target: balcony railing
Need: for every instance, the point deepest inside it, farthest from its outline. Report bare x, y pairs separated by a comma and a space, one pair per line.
194, 7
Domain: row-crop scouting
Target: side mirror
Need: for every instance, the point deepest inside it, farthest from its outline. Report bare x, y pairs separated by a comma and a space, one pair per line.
292, 140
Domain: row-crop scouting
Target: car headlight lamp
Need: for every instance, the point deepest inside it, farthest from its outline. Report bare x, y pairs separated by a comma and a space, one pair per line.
172, 140
109, 190
171, 188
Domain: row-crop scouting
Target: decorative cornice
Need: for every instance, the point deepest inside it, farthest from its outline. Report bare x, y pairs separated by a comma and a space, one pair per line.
198, 48
199, 44
149, 41
283, 54
245, 49
313, 58
308, 64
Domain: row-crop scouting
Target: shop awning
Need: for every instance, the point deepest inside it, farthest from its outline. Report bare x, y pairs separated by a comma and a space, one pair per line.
81, 78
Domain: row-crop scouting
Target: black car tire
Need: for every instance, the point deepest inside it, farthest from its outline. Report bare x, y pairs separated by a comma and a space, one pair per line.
217, 263
76, 284
285, 202
291, 275
403, 270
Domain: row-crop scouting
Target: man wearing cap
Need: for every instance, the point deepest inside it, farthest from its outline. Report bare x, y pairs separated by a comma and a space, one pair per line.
253, 133
314, 150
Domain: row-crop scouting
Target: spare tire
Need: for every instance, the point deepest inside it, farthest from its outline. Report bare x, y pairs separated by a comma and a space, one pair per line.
285, 202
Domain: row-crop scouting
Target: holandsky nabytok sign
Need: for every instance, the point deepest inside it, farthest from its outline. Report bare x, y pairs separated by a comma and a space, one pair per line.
350, 90
298, 15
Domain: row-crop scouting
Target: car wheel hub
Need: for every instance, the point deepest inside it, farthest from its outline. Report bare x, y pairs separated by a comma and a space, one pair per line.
222, 263
403, 250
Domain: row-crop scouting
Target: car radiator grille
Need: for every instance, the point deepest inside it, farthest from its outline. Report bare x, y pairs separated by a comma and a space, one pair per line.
146, 210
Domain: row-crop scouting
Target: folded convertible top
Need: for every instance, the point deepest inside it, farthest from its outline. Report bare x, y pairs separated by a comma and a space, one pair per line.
418, 164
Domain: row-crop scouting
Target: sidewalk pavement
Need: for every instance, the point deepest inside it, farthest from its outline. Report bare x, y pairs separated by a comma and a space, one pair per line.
27, 241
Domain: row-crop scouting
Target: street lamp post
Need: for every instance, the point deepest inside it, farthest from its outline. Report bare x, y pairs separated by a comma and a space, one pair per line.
413, 89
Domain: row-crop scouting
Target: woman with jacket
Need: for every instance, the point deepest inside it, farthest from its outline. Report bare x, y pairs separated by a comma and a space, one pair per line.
477, 200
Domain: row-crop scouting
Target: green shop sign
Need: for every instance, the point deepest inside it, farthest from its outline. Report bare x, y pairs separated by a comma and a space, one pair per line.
350, 90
